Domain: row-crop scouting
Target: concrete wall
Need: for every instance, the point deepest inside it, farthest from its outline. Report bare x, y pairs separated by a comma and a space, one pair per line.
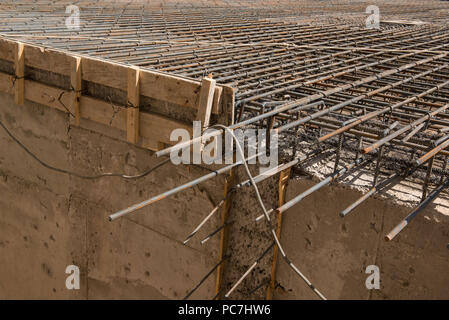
334, 252
50, 220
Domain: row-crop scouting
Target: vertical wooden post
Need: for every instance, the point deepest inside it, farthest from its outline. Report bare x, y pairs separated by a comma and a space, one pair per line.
19, 84
76, 82
283, 181
229, 182
132, 122
206, 101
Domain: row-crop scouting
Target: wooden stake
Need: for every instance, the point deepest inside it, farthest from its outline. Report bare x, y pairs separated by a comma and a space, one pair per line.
206, 100
132, 123
229, 182
283, 181
19, 84
76, 82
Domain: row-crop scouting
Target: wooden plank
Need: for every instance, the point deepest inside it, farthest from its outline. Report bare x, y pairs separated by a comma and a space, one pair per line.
148, 144
105, 73
76, 83
6, 83
205, 101
7, 50
47, 59
103, 112
48, 96
94, 70
224, 234
157, 85
154, 128
132, 122
19, 81
217, 106
159, 128
182, 92
282, 187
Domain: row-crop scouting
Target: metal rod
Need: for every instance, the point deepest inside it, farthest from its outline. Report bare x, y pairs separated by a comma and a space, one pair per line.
249, 270
171, 192
245, 183
204, 278
393, 233
316, 187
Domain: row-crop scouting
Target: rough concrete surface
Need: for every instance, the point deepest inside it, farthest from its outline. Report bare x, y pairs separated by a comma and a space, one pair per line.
334, 252
50, 220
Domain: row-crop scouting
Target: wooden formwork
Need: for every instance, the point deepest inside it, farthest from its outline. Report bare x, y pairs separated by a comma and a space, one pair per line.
147, 129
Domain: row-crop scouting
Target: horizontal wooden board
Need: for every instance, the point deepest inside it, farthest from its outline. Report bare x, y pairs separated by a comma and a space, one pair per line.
170, 88
154, 84
6, 83
159, 128
154, 128
49, 60
7, 50
103, 112
105, 73
48, 96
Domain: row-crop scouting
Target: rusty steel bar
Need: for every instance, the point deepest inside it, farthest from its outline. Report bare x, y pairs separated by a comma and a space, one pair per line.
403, 129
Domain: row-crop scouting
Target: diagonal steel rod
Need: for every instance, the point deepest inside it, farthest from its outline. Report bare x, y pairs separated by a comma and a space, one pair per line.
393, 233
171, 192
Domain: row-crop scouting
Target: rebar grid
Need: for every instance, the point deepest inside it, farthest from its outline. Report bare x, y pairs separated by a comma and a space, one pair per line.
345, 81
